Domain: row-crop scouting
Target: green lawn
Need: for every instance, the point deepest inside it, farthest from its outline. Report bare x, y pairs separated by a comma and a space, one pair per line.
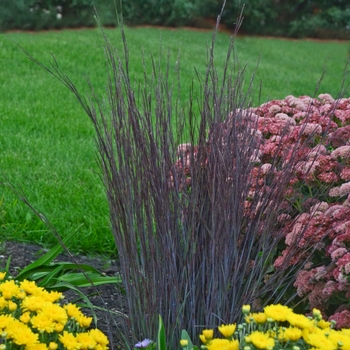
47, 143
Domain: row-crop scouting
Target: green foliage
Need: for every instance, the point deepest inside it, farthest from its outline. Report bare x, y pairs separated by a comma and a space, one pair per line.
160, 12
161, 338
36, 14
62, 276
323, 19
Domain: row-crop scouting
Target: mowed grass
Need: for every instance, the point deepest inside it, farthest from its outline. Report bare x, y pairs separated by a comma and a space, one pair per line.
47, 145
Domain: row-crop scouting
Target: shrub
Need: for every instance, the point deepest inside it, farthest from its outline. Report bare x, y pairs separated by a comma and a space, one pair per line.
322, 19
37, 15
161, 12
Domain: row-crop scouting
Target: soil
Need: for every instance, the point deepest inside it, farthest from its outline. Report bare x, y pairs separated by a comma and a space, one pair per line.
108, 297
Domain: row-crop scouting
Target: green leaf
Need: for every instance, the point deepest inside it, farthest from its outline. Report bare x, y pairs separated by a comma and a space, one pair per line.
36, 273
88, 279
80, 267
50, 277
186, 336
161, 335
45, 259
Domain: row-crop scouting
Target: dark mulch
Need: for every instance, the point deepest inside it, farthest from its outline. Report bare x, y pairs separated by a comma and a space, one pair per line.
107, 296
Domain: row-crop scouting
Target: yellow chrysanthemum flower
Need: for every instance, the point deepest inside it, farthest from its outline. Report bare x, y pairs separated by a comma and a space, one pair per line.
21, 334
30, 287
72, 310
345, 331
9, 289
320, 341
2, 275
259, 317
69, 341
312, 330
51, 297
86, 341
261, 340
54, 296
323, 324
299, 321
277, 312
293, 333
3, 303
5, 320
223, 344
337, 337
55, 312
207, 334
99, 337
43, 323
32, 303
227, 330
39, 346
84, 321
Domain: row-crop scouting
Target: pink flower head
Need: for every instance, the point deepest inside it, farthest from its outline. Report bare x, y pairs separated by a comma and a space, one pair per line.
345, 174
328, 177
265, 168
342, 319
342, 152
343, 116
319, 207
274, 109
284, 117
334, 192
344, 189
183, 148
338, 253
327, 98
310, 129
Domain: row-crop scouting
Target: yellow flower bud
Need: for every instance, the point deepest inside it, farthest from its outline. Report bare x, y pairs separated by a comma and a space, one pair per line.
183, 342
59, 327
316, 312
246, 309
12, 306
53, 346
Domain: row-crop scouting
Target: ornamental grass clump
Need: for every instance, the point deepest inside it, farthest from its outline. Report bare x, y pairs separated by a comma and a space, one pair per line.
33, 318
276, 327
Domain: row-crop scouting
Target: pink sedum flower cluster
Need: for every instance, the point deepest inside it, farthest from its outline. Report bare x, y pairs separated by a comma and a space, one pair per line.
324, 170
316, 131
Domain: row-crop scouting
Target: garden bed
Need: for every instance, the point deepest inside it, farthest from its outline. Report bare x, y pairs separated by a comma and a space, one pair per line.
105, 296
